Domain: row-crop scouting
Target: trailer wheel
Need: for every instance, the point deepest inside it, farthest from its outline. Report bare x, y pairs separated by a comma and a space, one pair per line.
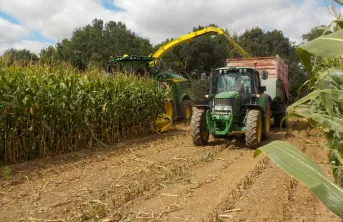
186, 110
278, 120
199, 130
253, 134
266, 121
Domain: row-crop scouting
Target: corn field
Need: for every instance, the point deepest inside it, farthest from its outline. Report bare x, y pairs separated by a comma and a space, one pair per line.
51, 110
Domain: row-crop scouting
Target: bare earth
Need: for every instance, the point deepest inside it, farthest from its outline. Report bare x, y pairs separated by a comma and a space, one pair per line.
164, 178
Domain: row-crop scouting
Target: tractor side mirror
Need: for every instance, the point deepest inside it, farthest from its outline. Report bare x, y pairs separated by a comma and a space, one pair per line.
263, 89
264, 74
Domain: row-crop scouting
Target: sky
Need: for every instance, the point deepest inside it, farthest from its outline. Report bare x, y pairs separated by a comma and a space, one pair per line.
35, 24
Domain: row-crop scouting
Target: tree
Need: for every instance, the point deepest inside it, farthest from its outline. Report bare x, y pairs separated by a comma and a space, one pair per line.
95, 43
21, 55
270, 43
48, 55
314, 33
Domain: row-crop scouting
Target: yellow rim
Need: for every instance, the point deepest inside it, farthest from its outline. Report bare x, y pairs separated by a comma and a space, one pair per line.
259, 130
168, 109
188, 112
267, 120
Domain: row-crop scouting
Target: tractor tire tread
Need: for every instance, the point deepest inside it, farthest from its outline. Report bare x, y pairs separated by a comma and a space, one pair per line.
198, 116
251, 139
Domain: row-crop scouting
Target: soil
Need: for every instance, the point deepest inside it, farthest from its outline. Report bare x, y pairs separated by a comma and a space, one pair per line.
165, 178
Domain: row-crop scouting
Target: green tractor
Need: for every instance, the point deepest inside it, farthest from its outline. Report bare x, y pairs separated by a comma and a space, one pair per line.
180, 107
239, 104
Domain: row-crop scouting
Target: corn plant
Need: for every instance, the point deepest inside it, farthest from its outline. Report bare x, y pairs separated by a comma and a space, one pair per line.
51, 110
322, 58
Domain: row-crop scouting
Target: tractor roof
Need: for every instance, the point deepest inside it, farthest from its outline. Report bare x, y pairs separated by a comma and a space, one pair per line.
234, 68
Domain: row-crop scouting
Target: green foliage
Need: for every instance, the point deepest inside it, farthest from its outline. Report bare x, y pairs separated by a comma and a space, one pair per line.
47, 110
95, 43
6, 172
322, 59
302, 168
198, 90
22, 55
314, 33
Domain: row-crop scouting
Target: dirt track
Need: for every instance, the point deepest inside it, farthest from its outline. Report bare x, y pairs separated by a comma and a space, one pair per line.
164, 178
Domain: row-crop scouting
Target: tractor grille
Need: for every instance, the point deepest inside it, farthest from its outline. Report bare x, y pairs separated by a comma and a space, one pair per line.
229, 102
226, 102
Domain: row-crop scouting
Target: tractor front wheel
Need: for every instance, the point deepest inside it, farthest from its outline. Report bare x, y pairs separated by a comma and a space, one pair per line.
199, 130
253, 132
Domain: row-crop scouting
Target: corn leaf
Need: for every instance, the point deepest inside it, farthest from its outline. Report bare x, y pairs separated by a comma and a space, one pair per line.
339, 2
325, 46
300, 167
305, 58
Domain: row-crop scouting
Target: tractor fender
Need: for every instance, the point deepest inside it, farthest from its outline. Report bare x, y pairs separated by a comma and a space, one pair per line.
255, 107
261, 107
203, 107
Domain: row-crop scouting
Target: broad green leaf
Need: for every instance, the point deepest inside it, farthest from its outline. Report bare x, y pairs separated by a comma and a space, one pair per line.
339, 22
305, 57
326, 46
326, 97
336, 94
336, 75
339, 2
300, 167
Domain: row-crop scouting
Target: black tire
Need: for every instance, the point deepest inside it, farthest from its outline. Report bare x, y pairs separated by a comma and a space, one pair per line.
199, 131
267, 115
186, 104
278, 119
253, 136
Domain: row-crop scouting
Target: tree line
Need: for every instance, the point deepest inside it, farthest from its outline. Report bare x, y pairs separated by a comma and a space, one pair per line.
93, 44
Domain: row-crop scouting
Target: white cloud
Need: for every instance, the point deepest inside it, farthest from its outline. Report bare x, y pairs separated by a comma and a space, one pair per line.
161, 19
10, 32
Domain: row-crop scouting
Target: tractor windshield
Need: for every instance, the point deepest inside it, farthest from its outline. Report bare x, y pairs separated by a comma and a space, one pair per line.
233, 81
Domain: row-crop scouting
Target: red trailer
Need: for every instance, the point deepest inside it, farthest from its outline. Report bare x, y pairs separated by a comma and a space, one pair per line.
277, 82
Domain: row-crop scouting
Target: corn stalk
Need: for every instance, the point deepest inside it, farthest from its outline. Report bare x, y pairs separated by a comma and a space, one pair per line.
51, 110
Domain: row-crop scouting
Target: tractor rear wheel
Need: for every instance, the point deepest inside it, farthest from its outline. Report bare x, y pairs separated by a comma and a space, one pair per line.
199, 130
186, 110
253, 132
266, 128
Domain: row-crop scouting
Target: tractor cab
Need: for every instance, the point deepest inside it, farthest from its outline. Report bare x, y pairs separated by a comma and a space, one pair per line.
235, 88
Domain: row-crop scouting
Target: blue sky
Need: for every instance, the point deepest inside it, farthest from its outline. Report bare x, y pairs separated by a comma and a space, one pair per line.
34, 24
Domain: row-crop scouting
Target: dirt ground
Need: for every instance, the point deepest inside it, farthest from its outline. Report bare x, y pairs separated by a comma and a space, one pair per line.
165, 178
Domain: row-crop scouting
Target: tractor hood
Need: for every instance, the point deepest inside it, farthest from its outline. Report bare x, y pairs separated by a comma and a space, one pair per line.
170, 76
227, 95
